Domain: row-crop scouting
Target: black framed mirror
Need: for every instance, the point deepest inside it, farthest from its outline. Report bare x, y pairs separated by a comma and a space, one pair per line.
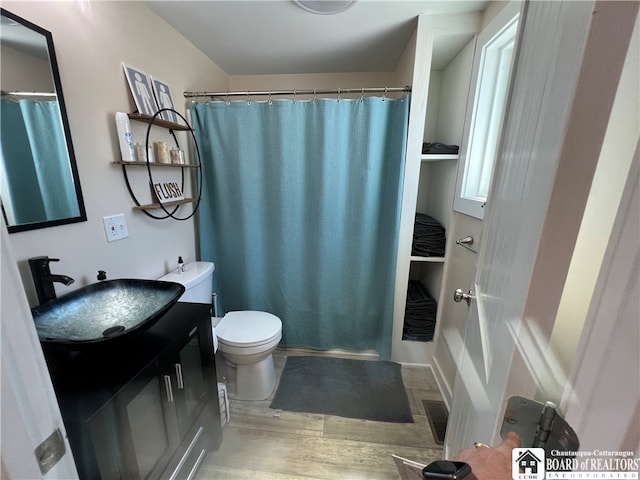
39, 181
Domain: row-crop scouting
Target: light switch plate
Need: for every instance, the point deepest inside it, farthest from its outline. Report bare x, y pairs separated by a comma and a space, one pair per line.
115, 227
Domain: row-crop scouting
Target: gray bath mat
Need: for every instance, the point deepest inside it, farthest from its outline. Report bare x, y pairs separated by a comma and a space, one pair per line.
367, 390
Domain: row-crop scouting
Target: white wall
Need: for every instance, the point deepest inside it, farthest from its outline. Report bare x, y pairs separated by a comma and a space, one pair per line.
406, 64
460, 265
455, 89
34, 76
311, 81
92, 39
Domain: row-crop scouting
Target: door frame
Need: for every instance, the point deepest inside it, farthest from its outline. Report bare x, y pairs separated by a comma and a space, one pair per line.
608, 356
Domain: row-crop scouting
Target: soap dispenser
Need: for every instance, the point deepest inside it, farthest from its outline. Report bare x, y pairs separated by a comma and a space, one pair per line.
180, 265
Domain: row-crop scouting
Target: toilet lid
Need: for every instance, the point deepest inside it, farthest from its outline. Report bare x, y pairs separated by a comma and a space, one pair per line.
245, 328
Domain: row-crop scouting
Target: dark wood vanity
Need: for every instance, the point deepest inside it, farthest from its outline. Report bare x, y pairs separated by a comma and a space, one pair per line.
145, 407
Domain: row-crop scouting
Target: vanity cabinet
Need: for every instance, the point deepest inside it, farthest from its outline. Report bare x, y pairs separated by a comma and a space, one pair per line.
147, 407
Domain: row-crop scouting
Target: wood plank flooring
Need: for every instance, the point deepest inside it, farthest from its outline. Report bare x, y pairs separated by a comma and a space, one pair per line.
258, 445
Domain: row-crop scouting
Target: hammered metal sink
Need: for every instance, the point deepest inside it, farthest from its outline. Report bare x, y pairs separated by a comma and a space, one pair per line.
104, 311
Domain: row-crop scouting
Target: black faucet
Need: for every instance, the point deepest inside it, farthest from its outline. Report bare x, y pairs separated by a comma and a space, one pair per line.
43, 279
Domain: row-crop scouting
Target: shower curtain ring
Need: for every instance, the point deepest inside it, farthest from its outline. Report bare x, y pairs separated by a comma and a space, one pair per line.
227, 99
270, 101
384, 95
294, 95
338, 94
315, 96
248, 98
362, 95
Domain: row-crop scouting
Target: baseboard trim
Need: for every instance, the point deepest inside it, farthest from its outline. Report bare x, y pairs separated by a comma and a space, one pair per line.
444, 387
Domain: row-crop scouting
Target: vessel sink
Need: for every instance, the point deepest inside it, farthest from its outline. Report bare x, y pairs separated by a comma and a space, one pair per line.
104, 311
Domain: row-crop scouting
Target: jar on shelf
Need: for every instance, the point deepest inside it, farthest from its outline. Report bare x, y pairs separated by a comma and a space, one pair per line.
162, 152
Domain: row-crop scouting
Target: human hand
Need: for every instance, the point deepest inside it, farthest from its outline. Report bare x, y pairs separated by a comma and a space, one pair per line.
491, 463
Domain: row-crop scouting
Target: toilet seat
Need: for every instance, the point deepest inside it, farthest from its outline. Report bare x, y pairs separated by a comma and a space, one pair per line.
247, 329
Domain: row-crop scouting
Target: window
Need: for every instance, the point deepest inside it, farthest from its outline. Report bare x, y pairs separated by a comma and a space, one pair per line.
491, 78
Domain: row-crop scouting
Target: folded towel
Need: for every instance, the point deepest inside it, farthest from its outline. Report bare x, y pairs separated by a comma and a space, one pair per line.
428, 237
417, 335
420, 313
441, 148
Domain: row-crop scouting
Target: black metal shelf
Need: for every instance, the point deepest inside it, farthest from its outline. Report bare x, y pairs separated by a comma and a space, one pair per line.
173, 205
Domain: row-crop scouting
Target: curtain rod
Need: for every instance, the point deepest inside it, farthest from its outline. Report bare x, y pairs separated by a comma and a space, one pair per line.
28, 94
338, 91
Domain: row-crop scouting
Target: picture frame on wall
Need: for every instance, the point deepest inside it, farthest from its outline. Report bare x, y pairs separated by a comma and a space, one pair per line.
164, 99
141, 89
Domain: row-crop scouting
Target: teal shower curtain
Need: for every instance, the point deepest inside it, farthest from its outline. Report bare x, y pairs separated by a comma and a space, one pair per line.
35, 159
300, 213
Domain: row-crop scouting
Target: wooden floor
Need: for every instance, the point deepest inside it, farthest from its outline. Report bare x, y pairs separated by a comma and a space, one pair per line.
258, 445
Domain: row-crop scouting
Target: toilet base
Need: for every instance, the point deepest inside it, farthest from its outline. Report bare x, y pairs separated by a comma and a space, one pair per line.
255, 381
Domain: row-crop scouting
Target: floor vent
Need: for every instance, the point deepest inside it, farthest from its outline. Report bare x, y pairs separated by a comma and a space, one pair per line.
438, 416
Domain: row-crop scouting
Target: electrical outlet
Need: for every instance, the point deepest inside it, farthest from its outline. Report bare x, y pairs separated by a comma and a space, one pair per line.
115, 227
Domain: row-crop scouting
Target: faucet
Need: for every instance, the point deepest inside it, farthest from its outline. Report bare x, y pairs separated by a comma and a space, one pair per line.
43, 279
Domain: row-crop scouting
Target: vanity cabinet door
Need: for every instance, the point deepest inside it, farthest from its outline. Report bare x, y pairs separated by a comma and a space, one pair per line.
147, 422
191, 366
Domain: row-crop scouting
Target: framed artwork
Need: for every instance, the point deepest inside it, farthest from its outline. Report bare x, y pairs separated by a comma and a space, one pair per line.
141, 89
164, 99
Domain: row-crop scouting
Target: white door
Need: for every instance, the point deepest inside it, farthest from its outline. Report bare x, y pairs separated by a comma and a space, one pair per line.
567, 69
30, 413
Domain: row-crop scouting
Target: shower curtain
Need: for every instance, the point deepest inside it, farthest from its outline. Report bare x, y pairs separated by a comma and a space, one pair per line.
35, 160
300, 213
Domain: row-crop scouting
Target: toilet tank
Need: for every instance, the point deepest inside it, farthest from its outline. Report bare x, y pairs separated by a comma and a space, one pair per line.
197, 280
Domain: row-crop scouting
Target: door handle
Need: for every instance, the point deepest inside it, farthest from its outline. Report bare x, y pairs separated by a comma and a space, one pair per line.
459, 296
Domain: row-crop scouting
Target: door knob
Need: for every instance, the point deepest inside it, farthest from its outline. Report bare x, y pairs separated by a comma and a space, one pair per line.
459, 296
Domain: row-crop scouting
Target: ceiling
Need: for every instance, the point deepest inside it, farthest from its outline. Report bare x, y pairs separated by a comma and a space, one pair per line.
255, 37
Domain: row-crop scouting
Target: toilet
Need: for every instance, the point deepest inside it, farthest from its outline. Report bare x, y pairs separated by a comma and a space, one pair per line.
245, 339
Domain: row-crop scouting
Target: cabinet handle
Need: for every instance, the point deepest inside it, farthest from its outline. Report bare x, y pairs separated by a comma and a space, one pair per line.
186, 454
178, 368
196, 466
167, 386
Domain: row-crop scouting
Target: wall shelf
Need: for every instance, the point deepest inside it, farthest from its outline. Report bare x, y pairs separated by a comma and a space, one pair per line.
158, 121
416, 258
158, 206
173, 205
428, 157
157, 164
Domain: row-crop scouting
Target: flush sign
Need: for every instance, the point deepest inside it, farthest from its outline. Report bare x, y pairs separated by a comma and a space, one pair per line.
167, 191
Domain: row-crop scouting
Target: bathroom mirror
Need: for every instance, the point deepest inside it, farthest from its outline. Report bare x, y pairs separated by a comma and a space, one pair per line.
39, 181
